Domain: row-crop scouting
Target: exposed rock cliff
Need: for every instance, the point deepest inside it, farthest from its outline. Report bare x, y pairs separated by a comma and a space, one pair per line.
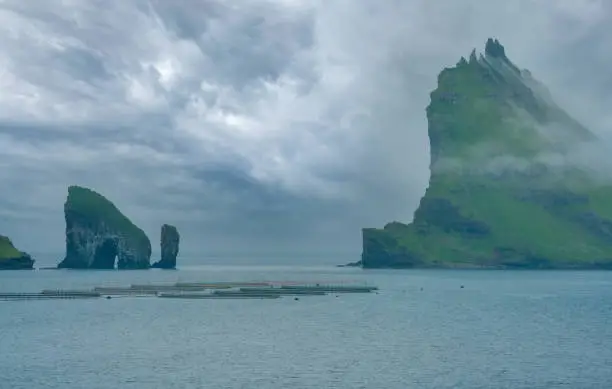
504, 190
98, 234
169, 241
11, 258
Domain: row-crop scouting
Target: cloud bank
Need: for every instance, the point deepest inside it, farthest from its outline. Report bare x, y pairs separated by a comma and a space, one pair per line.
256, 124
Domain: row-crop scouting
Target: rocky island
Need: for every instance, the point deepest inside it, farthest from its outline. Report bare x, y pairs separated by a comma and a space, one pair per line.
169, 242
504, 191
11, 258
98, 234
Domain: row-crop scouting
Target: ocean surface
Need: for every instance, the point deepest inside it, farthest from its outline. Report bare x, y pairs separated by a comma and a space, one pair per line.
504, 329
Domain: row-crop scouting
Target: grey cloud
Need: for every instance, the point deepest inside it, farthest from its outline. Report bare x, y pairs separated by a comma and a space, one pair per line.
255, 123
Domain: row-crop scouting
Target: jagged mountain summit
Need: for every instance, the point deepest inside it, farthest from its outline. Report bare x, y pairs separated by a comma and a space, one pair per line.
504, 191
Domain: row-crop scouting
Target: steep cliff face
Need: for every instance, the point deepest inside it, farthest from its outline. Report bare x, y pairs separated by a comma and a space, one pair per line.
98, 234
504, 191
11, 258
169, 241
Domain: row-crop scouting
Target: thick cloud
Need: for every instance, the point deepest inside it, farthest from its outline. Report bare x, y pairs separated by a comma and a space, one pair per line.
256, 123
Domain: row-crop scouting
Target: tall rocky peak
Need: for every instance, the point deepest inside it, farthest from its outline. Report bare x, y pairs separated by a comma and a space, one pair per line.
169, 242
473, 58
11, 258
98, 234
489, 101
491, 201
494, 49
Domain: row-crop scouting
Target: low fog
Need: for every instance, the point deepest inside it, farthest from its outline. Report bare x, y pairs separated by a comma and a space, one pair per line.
258, 124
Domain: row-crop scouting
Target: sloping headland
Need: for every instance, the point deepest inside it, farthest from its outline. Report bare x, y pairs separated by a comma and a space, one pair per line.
11, 258
503, 191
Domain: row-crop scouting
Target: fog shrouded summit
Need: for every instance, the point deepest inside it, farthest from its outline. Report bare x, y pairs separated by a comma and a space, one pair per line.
532, 214
256, 124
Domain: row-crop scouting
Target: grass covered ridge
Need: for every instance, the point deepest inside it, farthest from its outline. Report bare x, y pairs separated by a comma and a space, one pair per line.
477, 212
96, 208
7, 250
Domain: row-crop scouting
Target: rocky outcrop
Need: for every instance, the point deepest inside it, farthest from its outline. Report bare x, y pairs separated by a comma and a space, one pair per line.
495, 199
98, 235
169, 241
11, 258
494, 49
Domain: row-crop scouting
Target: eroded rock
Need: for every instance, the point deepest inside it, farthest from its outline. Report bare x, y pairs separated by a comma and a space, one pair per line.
169, 241
98, 234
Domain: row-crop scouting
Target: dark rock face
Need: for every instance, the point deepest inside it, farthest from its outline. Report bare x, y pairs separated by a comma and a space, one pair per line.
170, 239
494, 48
352, 264
24, 262
511, 258
96, 246
383, 251
441, 213
553, 199
98, 234
596, 224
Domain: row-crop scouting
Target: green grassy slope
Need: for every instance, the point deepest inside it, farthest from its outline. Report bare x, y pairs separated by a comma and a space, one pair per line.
7, 250
86, 204
491, 201
11, 258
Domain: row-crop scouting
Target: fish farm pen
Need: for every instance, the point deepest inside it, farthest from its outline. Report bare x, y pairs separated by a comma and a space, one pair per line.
47, 295
198, 290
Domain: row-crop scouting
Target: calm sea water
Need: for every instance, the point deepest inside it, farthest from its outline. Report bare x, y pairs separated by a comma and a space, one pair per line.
510, 329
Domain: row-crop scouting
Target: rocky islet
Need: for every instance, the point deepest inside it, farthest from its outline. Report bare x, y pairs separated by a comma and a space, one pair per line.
99, 236
169, 242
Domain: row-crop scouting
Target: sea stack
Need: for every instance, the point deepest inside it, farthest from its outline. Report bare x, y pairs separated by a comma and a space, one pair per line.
98, 234
169, 241
498, 197
11, 258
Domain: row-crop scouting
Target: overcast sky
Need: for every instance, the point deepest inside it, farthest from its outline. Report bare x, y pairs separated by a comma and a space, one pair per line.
263, 124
